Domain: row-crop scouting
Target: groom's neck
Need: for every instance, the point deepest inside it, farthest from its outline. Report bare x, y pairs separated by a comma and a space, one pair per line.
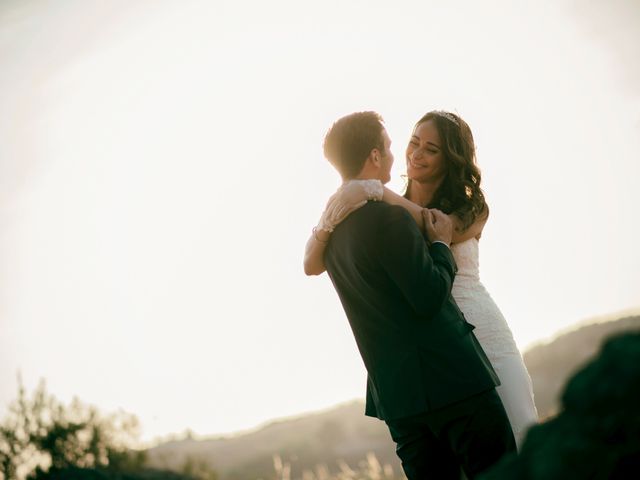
366, 177
368, 174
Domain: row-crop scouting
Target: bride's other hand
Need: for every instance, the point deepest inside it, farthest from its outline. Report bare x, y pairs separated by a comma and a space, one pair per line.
352, 195
354, 191
349, 197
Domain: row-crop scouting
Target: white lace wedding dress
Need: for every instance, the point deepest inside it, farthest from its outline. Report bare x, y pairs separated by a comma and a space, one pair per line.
496, 338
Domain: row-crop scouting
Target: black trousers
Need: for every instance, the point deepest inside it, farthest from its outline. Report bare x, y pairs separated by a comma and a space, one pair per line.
472, 434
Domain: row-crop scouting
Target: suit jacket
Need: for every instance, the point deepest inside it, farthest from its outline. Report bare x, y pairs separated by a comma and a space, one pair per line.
419, 351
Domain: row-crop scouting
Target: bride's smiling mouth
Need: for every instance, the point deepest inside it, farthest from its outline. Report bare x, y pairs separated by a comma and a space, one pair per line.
414, 164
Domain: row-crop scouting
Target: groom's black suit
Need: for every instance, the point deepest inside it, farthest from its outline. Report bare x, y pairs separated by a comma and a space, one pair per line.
425, 367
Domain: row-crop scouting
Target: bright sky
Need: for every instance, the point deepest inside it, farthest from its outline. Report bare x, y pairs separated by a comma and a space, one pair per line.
161, 169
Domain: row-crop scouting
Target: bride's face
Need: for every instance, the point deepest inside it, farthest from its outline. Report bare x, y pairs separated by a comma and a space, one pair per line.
425, 162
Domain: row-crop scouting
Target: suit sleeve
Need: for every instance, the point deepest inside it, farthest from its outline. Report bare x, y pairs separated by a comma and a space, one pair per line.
424, 275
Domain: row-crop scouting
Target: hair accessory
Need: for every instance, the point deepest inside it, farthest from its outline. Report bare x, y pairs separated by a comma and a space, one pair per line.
447, 115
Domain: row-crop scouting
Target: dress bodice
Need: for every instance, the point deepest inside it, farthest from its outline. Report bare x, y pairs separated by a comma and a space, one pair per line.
467, 257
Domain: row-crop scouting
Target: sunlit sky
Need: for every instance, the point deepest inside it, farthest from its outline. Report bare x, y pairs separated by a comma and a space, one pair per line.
161, 169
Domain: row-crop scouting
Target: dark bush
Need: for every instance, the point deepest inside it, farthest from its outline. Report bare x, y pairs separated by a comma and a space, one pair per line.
597, 433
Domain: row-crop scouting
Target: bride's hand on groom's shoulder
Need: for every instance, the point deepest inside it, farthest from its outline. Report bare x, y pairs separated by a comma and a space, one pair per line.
354, 191
351, 195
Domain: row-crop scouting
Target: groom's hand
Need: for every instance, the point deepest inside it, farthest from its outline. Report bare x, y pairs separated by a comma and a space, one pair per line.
438, 225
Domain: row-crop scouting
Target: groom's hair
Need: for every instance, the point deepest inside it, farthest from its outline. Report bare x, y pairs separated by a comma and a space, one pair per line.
350, 140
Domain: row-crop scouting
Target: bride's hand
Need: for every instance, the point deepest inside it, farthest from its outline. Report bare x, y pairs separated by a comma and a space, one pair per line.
352, 195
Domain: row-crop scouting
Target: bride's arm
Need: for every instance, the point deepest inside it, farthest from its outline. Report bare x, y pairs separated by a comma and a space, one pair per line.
314, 252
459, 233
474, 231
415, 210
349, 197
353, 197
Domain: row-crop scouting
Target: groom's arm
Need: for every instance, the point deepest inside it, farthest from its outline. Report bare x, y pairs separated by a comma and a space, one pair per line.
424, 275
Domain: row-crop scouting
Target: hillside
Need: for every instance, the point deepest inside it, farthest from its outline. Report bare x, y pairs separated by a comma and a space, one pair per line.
340, 433
344, 433
551, 364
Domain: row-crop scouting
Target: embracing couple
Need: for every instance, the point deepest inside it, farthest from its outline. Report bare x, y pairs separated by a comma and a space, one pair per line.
444, 372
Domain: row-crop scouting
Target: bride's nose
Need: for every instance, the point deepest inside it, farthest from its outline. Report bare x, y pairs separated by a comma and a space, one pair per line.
417, 154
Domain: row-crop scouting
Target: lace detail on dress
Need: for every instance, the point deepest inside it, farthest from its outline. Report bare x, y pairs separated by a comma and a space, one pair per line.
495, 336
478, 307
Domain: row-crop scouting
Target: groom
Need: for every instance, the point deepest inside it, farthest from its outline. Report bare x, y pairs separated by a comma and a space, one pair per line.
428, 377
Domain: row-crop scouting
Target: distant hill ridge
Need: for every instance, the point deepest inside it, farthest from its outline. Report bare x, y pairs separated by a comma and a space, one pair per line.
551, 364
344, 433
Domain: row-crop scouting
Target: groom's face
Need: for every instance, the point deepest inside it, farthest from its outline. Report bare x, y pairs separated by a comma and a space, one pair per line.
386, 158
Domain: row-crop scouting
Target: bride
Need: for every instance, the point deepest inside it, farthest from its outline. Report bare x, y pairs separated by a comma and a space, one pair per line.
442, 174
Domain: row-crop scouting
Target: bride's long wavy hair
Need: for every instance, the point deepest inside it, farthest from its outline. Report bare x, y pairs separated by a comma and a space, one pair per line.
459, 193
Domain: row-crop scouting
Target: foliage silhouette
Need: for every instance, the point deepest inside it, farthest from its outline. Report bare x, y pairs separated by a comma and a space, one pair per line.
42, 439
597, 433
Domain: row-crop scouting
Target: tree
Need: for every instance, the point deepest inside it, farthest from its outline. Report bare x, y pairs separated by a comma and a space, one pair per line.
40, 433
